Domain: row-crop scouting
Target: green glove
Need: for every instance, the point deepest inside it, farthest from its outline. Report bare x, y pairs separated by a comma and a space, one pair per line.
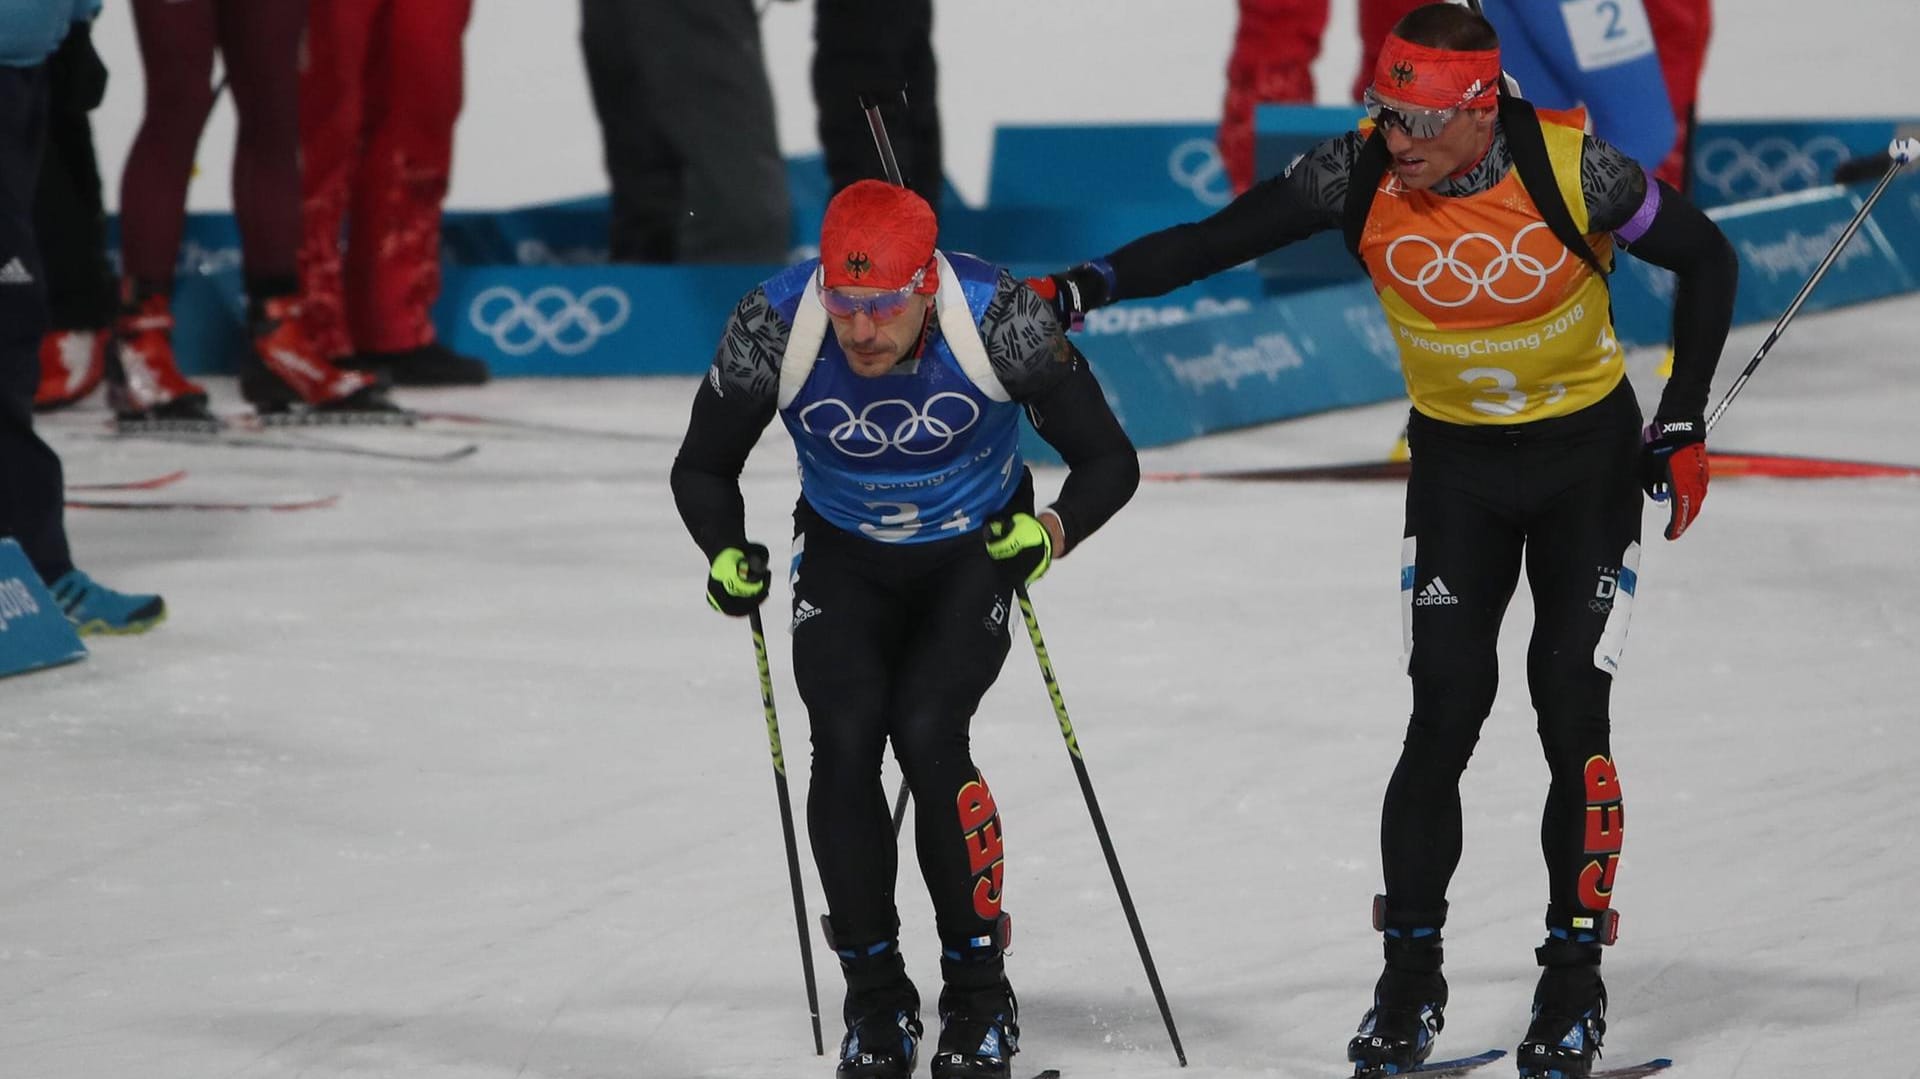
737, 580
1022, 546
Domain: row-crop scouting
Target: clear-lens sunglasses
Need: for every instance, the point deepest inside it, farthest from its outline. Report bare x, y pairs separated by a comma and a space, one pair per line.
880, 307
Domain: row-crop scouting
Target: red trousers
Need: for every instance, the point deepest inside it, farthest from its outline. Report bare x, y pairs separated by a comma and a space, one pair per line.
1274, 46
380, 89
1681, 29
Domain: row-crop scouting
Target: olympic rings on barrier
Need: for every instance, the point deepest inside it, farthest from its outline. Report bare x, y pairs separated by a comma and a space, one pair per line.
550, 316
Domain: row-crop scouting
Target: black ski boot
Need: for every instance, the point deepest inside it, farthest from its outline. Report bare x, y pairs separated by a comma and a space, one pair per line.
1409, 1000
881, 1044
882, 1012
1569, 1010
979, 1017
979, 1033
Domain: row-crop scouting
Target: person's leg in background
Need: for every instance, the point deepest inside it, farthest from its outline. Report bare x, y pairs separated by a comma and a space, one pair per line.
70, 221
333, 103
1274, 46
878, 48
144, 384
643, 168
414, 70
32, 488
733, 177
260, 42
1681, 32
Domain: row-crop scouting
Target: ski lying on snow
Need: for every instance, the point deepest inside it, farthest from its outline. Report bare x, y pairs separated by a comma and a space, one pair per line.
1458, 1065
1352, 470
1050, 1073
1770, 465
536, 427
151, 483
297, 440
1434, 1069
239, 505
1632, 1071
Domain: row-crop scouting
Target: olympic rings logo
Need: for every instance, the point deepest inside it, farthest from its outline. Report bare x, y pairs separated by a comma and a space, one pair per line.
1770, 166
1461, 276
549, 316
1195, 165
892, 424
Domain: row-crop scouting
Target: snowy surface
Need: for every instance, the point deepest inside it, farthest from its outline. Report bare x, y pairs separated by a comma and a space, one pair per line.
528, 132
461, 778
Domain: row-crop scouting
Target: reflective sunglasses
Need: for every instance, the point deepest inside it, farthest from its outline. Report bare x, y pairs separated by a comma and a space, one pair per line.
1417, 123
880, 307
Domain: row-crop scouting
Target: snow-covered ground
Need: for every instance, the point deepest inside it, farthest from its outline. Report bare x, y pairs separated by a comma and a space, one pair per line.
462, 778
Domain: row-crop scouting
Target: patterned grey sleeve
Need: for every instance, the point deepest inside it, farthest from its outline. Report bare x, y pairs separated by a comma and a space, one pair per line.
1319, 177
746, 368
1613, 184
1023, 340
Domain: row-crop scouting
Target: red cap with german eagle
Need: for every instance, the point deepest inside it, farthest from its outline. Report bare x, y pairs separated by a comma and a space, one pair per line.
877, 235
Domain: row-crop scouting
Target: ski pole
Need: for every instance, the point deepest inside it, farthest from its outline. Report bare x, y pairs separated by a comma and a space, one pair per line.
891, 166
786, 823
1093, 809
1899, 153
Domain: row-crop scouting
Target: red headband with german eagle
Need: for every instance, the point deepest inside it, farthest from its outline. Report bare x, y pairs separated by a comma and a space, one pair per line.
1430, 78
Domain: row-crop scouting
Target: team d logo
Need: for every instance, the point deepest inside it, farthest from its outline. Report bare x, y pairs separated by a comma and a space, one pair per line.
858, 264
1402, 73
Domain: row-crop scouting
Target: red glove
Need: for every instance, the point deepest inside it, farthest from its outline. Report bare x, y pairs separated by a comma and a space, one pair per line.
1674, 468
1074, 292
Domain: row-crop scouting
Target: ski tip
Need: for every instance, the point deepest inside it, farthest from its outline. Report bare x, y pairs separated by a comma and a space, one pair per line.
1050, 1073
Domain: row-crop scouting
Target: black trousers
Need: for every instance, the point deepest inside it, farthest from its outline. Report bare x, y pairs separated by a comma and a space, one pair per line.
898, 643
1560, 499
69, 216
31, 508
686, 117
877, 48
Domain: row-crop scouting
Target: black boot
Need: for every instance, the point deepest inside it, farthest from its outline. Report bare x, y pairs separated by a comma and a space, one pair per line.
431, 364
979, 1017
882, 1012
1409, 1000
1569, 1010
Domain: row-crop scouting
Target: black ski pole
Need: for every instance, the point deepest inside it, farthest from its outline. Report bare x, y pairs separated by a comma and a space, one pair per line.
900, 806
786, 823
1899, 154
1093, 809
891, 166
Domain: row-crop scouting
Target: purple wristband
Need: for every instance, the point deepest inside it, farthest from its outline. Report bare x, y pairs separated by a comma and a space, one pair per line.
1642, 219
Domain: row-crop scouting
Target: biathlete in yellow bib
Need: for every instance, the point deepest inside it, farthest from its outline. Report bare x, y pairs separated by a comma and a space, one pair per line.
1488, 229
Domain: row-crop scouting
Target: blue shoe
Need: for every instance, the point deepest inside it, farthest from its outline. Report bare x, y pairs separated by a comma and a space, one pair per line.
93, 608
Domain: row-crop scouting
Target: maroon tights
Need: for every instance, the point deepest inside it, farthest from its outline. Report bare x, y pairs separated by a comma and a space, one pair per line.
259, 42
